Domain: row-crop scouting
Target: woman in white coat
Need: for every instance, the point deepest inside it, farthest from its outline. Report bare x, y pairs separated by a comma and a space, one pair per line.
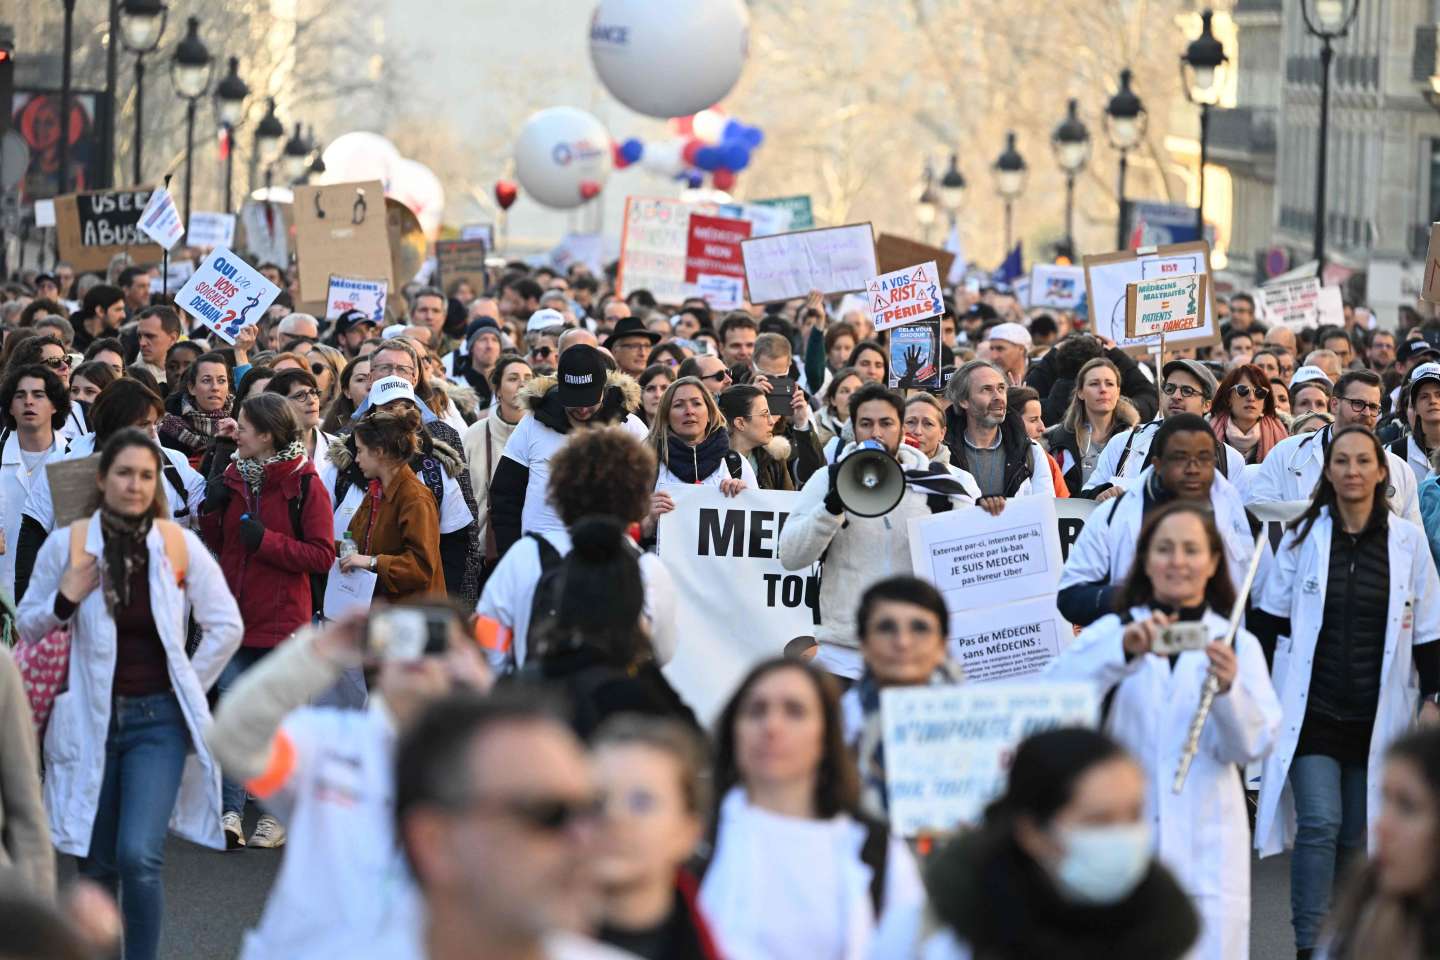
125, 751
1202, 833
1354, 601
692, 448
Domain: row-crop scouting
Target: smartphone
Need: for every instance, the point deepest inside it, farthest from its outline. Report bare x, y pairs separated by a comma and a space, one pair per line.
1179, 637
407, 633
782, 390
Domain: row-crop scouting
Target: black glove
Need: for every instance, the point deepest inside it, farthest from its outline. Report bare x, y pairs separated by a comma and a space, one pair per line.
217, 495
832, 497
252, 531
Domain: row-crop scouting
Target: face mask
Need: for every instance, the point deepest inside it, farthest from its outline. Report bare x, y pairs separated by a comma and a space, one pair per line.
1102, 865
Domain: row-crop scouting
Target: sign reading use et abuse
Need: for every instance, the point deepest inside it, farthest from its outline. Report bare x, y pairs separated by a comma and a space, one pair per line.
226, 294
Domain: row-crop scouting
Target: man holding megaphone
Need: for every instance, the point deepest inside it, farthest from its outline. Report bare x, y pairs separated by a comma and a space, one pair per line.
855, 516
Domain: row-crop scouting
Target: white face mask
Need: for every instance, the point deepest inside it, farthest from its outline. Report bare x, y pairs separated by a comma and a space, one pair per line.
1103, 865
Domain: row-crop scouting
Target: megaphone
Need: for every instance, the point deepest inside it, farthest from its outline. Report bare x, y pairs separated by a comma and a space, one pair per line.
870, 482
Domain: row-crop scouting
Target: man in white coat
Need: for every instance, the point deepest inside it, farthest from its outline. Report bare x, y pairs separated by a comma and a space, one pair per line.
34, 406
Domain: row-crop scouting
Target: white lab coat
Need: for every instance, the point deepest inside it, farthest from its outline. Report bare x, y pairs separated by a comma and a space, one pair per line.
1123, 468
1296, 589
15, 486
1202, 834
75, 741
1291, 470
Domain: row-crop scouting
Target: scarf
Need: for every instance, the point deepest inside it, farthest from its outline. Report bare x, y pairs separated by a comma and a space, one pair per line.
1256, 444
252, 471
695, 464
124, 554
192, 428
870, 748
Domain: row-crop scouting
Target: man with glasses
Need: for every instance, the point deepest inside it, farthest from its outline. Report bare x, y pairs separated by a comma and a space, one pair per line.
542, 339
709, 370
630, 344
1182, 466
158, 329
1293, 467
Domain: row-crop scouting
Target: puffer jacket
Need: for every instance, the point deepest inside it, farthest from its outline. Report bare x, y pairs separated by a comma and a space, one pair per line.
772, 465
271, 585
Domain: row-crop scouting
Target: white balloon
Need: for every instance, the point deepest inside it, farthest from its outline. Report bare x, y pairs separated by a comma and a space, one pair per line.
709, 126
416, 186
359, 155
663, 157
558, 150
669, 58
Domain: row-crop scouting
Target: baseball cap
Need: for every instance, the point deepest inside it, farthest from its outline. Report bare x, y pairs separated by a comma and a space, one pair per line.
1197, 370
386, 389
1426, 371
582, 376
1310, 373
393, 331
544, 320
1012, 333
1426, 343
351, 319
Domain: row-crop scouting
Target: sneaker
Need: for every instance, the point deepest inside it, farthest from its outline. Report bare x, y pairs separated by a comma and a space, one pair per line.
268, 834
234, 830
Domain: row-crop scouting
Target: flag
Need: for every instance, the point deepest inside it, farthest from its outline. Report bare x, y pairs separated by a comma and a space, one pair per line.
959, 266
1012, 269
161, 221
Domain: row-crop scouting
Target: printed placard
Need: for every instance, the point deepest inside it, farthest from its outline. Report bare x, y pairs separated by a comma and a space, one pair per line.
1108, 278
722, 293
160, 221
904, 296
1164, 305
712, 247
1011, 640
915, 356
226, 294
977, 560
211, 229
1301, 303
353, 293
1056, 286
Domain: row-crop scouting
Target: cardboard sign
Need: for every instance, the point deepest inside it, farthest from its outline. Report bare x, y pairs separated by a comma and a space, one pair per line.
904, 296
790, 265
73, 493
461, 260
226, 294
915, 356
1108, 278
948, 748
1163, 306
894, 253
1301, 303
722, 293
352, 293
209, 229
802, 215
160, 220
265, 230
93, 228
1056, 286
1431, 290
340, 229
712, 247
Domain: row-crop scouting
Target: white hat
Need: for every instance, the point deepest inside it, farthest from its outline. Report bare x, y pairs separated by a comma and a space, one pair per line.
542, 321
386, 389
1012, 333
390, 333
1310, 373
1426, 371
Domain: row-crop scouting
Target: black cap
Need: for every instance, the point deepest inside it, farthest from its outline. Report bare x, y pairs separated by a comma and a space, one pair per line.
351, 319
1426, 343
582, 376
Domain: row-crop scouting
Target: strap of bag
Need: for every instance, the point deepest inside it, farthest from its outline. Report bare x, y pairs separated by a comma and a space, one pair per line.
176, 550
492, 549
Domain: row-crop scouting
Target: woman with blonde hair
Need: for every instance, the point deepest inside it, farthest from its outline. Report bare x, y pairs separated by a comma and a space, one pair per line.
692, 446
1097, 412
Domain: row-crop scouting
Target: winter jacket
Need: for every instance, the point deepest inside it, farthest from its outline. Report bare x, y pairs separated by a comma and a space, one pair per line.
405, 537
1027, 469
518, 491
772, 465
271, 584
1064, 447
1055, 391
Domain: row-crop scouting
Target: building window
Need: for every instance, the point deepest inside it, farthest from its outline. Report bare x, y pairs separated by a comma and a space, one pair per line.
1433, 179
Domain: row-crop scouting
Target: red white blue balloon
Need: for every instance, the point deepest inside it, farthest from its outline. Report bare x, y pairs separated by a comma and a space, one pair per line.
563, 157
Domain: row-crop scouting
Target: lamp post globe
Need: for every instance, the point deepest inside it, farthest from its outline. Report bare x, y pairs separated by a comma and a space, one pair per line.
1125, 122
952, 188
191, 67
1071, 144
296, 158
142, 22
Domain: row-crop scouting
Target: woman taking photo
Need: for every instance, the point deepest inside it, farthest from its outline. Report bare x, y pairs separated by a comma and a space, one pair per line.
692, 448
270, 523
1202, 833
1354, 598
354, 388
303, 392
198, 411
751, 426
1096, 413
654, 381
116, 768
1062, 867
1243, 413
397, 526
787, 831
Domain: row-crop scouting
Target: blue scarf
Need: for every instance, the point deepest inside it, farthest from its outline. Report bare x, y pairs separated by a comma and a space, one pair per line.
695, 464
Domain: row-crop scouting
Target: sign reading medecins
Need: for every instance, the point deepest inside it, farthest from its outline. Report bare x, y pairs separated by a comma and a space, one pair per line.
226, 294
1164, 305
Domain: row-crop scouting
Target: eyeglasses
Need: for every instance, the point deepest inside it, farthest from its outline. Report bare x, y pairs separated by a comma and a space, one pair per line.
543, 815
391, 370
1360, 406
318, 368
56, 363
1185, 460
1186, 392
1243, 391
717, 376
309, 393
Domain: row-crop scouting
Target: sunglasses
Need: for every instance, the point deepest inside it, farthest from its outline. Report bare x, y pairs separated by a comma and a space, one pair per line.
318, 368
56, 363
717, 376
1243, 391
541, 352
542, 815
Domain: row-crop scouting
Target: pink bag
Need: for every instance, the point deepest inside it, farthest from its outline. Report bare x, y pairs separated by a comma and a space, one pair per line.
45, 672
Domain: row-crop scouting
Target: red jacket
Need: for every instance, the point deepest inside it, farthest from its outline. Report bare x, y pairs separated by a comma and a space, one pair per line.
272, 585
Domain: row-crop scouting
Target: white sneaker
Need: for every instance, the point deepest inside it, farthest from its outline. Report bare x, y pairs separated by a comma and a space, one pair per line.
234, 830
268, 834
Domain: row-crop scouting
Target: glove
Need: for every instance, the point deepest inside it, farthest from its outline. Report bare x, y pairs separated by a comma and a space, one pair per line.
252, 532
832, 496
217, 495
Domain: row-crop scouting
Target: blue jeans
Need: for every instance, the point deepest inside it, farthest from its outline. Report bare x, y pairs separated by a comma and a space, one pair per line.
144, 758
232, 795
1329, 826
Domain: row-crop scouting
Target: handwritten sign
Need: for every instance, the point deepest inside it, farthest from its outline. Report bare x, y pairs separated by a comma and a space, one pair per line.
904, 296
353, 293
226, 294
1301, 303
948, 749
654, 246
92, 228
210, 229
790, 265
1164, 305
160, 220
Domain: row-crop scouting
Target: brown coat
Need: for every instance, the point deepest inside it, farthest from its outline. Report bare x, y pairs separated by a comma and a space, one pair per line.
406, 539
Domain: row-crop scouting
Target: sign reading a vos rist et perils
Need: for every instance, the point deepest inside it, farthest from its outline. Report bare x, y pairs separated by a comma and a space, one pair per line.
904, 296
226, 294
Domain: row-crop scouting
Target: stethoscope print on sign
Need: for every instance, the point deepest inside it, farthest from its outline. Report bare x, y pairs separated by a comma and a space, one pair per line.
357, 211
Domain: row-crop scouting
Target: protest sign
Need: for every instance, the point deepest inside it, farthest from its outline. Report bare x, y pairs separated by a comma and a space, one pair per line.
722, 293
1431, 290
1163, 306
802, 216
353, 293
1056, 286
179, 271
573, 248
789, 265
763, 220
266, 231
340, 228
160, 220
1301, 302
948, 749
226, 294
73, 493
1107, 281
894, 253
977, 560
1011, 640
45, 213
904, 296
1070, 516
92, 228
915, 356
407, 242
735, 604
461, 260
209, 229
654, 243
712, 247
479, 231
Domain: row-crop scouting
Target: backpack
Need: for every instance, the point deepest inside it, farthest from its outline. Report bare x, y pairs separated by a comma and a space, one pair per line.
545, 601
317, 580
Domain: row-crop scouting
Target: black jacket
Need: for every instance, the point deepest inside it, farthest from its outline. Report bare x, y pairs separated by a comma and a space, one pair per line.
1017, 444
1055, 391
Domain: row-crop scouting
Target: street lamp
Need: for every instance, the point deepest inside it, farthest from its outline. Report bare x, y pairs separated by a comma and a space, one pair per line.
142, 25
1009, 181
926, 201
952, 189
1200, 66
67, 56
317, 162
190, 71
230, 94
1330, 20
1071, 143
1125, 126
296, 158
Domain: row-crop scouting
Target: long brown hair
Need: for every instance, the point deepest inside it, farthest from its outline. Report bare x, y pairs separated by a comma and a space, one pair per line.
1325, 490
1138, 591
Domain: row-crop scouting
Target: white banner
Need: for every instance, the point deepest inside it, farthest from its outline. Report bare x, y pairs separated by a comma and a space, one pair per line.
1071, 514
210, 229
948, 748
735, 604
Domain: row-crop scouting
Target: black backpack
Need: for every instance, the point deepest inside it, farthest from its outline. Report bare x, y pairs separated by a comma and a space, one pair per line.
318, 581
545, 601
